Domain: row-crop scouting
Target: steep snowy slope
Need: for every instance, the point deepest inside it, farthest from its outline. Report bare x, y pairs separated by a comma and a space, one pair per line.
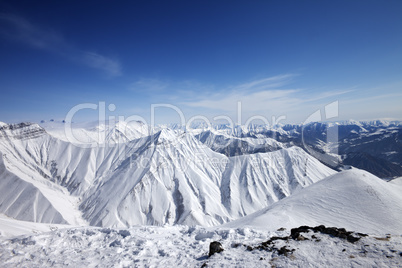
352, 199
165, 178
177, 180
28, 191
257, 180
22, 200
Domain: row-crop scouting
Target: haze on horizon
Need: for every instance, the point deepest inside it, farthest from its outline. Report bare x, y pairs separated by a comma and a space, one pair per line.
277, 58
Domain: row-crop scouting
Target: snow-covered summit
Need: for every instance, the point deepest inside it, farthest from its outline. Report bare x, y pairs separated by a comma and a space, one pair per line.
20, 131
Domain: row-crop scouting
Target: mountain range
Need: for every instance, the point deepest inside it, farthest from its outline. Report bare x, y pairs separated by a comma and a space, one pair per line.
128, 174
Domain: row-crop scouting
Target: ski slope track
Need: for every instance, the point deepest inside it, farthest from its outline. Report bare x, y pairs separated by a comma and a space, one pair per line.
168, 177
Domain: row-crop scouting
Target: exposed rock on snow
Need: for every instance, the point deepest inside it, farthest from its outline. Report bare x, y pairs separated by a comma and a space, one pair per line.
215, 247
181, 246
295, 233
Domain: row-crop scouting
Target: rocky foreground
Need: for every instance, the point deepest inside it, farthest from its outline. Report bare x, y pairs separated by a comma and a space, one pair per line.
183, 246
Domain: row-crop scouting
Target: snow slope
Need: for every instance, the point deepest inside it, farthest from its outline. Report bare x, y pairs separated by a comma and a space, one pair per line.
10, 227
22, 200
353, 199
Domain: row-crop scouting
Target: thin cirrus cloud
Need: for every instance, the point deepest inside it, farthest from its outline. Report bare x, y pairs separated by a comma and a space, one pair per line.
256, 101
150, 85
14, 27
273, 96
111, 66
258, 95
268, 96
265, 83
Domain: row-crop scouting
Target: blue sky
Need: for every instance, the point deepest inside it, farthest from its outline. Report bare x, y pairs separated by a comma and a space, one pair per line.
278, 58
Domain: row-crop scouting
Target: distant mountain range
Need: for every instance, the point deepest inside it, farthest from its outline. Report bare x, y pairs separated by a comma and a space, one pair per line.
130, 174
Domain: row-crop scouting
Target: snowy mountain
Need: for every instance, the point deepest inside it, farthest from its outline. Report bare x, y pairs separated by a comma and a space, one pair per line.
375, 146
247, 187
168, 177
353, 199
231, 145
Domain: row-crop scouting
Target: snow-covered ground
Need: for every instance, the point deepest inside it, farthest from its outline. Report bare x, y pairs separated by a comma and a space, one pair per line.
183, 246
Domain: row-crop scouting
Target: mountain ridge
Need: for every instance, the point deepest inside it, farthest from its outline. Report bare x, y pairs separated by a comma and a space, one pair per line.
164, 178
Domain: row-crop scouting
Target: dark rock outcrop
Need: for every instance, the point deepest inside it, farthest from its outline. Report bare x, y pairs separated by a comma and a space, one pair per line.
332, 231
215, 247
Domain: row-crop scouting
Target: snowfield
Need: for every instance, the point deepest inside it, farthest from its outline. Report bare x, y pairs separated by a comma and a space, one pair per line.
183, 246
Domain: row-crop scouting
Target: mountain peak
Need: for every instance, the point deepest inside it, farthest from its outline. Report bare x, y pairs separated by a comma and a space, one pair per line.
21, 130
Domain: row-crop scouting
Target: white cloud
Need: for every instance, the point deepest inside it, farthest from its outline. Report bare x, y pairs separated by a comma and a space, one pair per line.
270, 97
266, 97
257, 101
266, 83
149, 85
20, 29
255, 96
110, 66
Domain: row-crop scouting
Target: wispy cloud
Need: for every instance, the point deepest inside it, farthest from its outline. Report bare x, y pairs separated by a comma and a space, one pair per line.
270, 96
97, 61
19, 29
265, 83
258, 95
257, 101
150, 85
277, 96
